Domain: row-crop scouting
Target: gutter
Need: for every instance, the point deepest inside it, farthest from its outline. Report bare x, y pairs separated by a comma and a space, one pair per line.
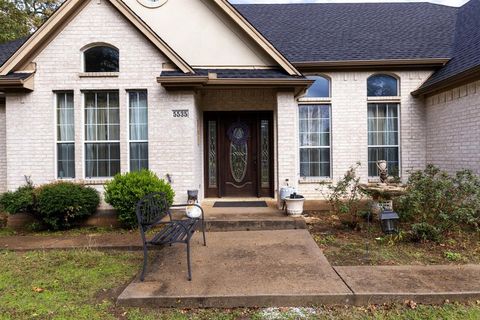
449, 83
359, 64
18, 84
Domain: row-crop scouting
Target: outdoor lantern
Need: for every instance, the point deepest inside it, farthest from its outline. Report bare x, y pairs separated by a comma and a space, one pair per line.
389, 222
192, 196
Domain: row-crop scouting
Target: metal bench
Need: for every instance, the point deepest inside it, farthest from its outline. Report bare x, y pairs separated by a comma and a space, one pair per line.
152, 211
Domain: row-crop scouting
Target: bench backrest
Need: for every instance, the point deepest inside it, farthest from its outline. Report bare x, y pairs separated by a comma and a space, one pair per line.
151, 209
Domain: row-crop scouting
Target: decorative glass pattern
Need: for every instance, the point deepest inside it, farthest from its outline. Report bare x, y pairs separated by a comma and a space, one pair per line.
383, 136
212, 154
315, 140
238, 160
265, 154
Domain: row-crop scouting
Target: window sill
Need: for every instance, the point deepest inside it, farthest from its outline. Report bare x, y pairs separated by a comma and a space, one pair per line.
315, 100
384, 99
98, 74
314, 180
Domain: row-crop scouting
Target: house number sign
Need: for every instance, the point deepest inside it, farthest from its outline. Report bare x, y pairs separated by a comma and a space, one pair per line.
180, 113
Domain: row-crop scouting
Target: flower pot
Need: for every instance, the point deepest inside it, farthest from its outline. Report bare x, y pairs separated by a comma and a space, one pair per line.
294, 206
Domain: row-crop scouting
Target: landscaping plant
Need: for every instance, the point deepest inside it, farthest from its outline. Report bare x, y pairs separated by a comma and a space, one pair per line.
345, 197
20, 200
125, 190
437, 202
59, 205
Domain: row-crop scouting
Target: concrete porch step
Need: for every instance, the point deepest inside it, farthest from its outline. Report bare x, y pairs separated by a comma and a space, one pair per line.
249, 218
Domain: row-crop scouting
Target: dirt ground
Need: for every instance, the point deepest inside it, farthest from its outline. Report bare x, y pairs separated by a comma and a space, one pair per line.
369, 246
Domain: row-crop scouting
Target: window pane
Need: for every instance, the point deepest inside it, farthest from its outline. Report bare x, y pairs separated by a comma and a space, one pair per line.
102, 159
138, 156
390, 154
138, 115
101, 59
65, 117
66, 160
382, 85
319, 89
102, 116
315, 162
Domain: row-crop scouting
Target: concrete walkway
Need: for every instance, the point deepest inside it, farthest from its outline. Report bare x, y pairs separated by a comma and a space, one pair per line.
265, 268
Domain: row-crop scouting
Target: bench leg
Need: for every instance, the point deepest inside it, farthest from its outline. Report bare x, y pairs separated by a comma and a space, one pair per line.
188, 261
145, 257
203, 231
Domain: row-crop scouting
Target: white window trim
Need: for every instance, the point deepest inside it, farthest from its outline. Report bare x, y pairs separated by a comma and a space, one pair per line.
96, 180
56, 141
315, 179
399, 133
128, 130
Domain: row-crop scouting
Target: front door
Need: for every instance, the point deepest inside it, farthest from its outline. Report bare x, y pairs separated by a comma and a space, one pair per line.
239, 157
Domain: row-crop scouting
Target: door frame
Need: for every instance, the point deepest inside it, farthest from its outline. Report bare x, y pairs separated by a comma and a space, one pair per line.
222, 159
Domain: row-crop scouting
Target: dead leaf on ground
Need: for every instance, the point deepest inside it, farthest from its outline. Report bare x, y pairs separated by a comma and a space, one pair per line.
411, 304
38, 290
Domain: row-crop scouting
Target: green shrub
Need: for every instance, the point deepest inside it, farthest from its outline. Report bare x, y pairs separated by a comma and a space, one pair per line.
423, 231
18, 201
125, 190
437, 198
59, 205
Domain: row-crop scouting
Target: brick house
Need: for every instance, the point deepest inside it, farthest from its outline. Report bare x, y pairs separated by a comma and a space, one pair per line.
238, 100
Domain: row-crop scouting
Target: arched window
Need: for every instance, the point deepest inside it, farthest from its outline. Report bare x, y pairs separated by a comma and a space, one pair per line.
101, 59
381, 85
319, 89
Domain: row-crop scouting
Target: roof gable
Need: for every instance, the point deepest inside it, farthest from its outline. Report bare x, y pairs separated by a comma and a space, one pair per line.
62, 16
211, 33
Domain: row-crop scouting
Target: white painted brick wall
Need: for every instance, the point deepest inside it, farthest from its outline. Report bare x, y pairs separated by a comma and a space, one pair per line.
349, 125
30, 117
3, 150
453, 130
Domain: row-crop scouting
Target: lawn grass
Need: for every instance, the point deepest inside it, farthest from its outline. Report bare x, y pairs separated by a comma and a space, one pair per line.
83, 284
369, 246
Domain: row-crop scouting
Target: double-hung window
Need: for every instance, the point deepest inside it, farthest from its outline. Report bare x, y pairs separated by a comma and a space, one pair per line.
138, 118
65, 135
102, 134
383, 137
315, 140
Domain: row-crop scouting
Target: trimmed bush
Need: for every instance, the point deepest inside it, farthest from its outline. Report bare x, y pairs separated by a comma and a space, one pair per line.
125, 190
60, 205
18, 201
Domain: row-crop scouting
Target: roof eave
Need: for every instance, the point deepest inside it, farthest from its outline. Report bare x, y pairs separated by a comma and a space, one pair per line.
449, 83
362, 64
183, 82
14, 85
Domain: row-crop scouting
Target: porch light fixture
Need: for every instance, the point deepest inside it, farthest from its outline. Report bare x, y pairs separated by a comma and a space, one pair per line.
389, 222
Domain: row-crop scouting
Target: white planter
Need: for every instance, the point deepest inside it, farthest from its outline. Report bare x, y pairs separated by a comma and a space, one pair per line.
294, 206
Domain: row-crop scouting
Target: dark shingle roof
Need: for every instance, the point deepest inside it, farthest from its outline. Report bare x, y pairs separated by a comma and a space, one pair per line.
9, 48
16, 76
466, 48
234, 73
348, 31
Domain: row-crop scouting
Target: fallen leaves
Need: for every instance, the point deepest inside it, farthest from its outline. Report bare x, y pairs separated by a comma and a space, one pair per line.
38, 290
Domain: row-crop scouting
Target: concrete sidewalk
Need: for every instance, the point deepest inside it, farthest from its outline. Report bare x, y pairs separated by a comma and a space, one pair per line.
265, 268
